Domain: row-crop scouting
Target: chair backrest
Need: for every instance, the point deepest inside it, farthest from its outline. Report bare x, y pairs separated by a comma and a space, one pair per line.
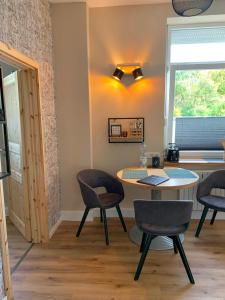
214, 180
90, 179
163, 212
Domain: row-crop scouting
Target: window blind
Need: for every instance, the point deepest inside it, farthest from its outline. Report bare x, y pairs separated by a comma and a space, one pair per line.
198, 35
199, 133
202, 44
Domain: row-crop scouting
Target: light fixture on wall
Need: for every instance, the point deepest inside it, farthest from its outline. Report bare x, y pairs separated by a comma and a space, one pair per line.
137, 73
128, 69
189, 8
118, 73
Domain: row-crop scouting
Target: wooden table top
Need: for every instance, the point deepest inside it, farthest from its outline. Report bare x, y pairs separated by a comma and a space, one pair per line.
171, 184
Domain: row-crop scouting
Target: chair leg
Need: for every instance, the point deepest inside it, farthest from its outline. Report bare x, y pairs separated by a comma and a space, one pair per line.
184, 259
82, 221
144, 235
174, 245
105, 226
213, 217
143, 256
101, 218
121, 218
204, 213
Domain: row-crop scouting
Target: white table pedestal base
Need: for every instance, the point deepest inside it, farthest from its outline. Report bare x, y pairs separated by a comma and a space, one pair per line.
159, 243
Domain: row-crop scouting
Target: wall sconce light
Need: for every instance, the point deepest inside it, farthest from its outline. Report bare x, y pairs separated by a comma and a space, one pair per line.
128, 69
118, 74
137, 73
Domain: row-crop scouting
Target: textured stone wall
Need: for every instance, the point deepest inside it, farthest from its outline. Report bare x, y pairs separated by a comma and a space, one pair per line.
26, 26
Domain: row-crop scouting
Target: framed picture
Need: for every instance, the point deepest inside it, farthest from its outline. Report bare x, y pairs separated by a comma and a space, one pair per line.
115, 130
126, 130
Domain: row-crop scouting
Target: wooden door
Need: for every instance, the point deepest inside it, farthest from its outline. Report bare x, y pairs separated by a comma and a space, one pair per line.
18, 199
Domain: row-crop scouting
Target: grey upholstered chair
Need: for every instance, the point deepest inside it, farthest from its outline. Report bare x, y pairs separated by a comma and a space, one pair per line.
204, 196
163, 218
89, 180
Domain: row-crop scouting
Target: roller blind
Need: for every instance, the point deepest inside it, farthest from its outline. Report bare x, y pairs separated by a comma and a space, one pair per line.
200, 133
202, 44
198, 35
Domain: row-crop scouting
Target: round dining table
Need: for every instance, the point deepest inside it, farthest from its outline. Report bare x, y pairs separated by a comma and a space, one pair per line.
178, 178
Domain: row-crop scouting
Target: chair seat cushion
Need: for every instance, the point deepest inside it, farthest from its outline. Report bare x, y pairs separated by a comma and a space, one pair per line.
109, 200
163, 229
214, 202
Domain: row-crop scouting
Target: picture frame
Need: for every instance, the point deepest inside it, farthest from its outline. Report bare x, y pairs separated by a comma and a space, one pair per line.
115, 130
126, 130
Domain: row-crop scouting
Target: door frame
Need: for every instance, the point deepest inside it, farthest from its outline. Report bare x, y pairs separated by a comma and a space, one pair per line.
34, 153
19, 179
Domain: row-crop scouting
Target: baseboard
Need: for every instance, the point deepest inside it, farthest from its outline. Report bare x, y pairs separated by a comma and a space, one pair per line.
76, 215
112, 213
196, 215
55, 227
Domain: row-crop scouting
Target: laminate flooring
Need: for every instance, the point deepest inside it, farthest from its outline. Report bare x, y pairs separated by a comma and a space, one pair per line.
68, 268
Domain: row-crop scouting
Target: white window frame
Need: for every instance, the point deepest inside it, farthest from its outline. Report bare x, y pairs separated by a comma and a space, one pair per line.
171, 69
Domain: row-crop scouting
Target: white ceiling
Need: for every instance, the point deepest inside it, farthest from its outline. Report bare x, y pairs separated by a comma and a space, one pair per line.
104, 3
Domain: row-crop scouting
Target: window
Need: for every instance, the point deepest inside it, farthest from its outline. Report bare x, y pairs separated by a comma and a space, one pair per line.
196, 111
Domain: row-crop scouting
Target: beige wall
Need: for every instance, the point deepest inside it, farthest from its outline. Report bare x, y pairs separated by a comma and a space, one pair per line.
116, 35
122, 35
71, 83
131, 34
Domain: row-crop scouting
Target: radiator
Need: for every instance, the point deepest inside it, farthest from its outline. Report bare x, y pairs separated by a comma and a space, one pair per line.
190, 194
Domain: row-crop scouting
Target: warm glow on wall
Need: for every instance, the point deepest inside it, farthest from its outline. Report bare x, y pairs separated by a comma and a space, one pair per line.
128, 69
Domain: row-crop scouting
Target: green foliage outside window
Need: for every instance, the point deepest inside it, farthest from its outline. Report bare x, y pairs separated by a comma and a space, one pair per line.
199, 93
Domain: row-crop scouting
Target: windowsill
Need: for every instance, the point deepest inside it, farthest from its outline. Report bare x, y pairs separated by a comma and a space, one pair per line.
201, 161
197, 162
212, 156
188, 159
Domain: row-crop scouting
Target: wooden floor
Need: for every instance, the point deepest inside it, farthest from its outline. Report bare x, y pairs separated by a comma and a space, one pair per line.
17, 244
70, 268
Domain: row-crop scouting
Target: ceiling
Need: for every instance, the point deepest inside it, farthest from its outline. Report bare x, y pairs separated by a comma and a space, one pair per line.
104, 3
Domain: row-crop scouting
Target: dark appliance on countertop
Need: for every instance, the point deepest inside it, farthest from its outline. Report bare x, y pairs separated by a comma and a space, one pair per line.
173, 153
